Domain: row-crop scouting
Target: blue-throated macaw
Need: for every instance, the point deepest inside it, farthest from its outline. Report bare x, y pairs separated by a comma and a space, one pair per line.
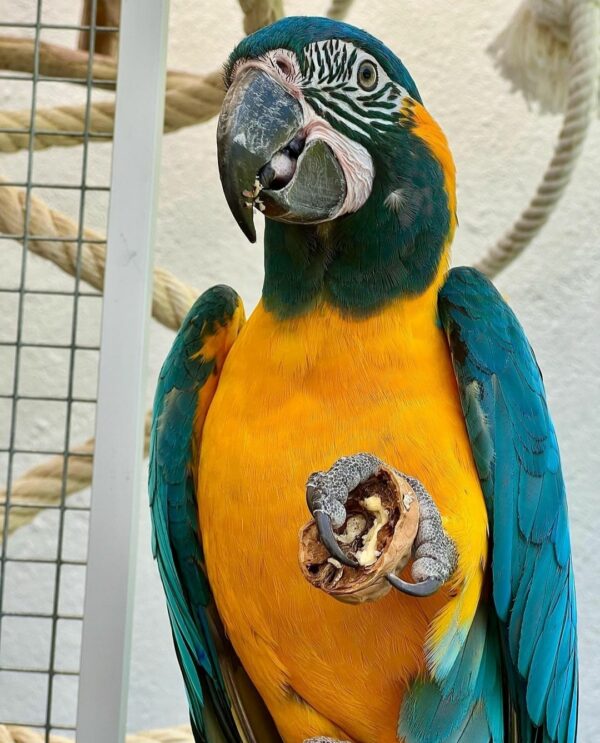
364, 344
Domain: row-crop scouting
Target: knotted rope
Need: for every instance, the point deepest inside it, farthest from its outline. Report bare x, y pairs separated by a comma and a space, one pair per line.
583, 24
180, 734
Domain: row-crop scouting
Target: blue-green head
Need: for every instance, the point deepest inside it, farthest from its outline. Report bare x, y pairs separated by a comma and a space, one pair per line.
323, 130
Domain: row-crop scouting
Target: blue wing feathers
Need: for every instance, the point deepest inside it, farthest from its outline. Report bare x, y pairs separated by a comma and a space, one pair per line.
518, 462
175, 538
467, 705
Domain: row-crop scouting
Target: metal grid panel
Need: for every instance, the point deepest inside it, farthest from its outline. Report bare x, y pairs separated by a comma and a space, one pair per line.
41, 582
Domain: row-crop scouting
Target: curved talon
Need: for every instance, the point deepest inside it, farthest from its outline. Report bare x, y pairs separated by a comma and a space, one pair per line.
327, 536
421, 590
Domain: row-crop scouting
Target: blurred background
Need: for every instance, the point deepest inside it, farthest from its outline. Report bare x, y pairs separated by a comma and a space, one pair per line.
501, 148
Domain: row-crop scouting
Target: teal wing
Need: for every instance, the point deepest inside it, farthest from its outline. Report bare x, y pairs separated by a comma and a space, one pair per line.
465, 704
517, 458
186, 383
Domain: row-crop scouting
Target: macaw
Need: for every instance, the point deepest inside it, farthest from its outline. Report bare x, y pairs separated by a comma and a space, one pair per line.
365, 348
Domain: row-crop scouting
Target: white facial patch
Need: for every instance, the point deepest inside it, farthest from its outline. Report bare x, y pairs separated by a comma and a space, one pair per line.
354, 159
333, 87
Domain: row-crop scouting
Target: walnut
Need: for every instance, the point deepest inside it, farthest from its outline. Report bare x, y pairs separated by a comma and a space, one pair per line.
379, 531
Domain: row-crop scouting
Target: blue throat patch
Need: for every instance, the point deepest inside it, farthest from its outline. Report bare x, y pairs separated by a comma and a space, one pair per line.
360, 262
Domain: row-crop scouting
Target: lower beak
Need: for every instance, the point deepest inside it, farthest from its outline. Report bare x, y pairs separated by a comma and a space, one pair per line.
265, 161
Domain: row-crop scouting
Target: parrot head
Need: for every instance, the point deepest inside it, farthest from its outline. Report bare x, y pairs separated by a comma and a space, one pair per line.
323, 130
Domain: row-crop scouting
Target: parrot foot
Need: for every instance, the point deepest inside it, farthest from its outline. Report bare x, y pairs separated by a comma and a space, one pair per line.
434, 553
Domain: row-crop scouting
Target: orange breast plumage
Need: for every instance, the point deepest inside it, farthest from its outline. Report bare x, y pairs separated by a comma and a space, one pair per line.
294, 396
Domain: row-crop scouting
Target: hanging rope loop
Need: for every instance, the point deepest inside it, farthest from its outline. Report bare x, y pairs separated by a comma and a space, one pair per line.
584, 52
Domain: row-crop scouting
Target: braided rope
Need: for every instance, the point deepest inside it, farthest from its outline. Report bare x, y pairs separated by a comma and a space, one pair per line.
42, 485
180, 734
259, 13
339, 9
186, 103
581, 97
171, 298
18, 55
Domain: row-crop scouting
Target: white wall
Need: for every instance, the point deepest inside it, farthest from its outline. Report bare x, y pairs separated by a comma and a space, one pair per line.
500, 148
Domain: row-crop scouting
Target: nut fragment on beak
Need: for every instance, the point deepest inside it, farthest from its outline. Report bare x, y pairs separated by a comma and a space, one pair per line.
252, 197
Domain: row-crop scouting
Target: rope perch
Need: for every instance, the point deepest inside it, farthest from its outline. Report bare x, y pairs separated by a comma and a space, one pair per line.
186, 103
42, 485
18, 55
171, 299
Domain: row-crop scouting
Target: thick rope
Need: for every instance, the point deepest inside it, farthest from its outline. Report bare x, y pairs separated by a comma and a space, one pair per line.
171, 301
186, 103
581, 99
42, 485
18, 55
54, 61
180, 734
259, 13
171, 298
339, 9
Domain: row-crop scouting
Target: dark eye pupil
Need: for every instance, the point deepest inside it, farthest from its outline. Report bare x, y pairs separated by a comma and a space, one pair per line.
367, 75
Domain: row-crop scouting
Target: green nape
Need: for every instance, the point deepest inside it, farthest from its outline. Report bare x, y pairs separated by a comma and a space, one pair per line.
361, 261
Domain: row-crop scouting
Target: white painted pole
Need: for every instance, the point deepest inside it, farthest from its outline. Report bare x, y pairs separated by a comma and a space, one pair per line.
102, 703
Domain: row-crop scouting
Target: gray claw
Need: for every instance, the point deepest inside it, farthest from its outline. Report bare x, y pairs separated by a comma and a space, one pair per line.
327, 536
423, 589
327, 493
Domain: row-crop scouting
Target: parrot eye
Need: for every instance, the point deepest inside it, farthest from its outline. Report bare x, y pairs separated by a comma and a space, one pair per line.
367, 75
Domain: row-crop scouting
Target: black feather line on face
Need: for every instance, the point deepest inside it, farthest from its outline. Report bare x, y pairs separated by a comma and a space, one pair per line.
351, 62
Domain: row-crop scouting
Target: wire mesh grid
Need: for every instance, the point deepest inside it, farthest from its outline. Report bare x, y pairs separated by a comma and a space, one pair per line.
49, 330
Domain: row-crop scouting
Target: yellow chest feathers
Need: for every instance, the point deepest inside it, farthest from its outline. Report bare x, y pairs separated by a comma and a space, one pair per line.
346, 364
293, 397
311, 389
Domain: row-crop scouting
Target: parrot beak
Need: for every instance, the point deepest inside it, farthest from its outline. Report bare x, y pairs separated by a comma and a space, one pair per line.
265, 161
